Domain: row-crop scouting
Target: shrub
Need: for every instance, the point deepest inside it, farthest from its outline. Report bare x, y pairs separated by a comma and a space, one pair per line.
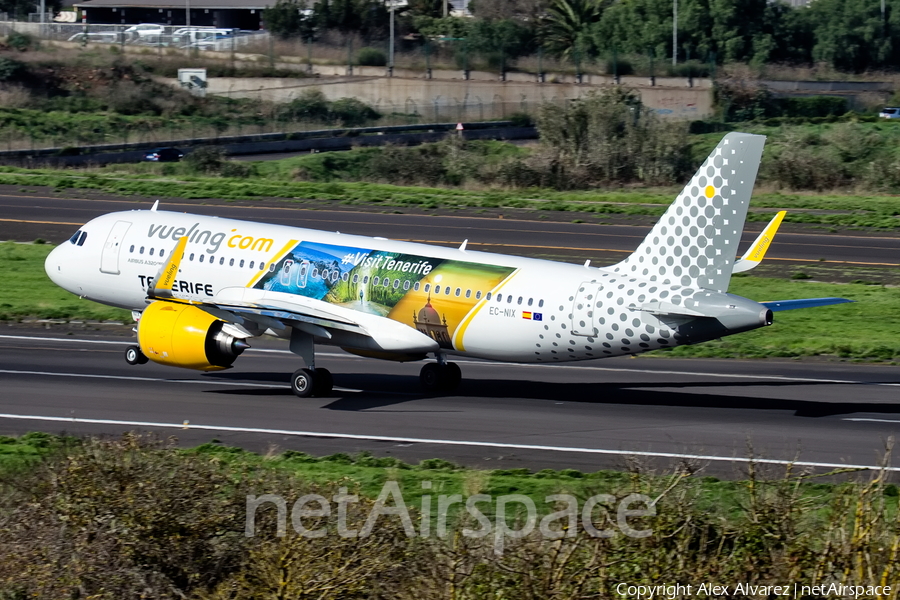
10, 68
619, 66
352, 112
205, 160
20, 41
371, 57
311, 105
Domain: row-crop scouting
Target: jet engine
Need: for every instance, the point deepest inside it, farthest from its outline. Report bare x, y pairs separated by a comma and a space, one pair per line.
181, 335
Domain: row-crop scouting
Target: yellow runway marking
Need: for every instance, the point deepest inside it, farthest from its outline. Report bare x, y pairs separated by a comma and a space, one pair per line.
40, 222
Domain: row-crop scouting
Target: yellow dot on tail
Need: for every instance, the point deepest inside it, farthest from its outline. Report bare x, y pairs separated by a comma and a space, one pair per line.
710, 191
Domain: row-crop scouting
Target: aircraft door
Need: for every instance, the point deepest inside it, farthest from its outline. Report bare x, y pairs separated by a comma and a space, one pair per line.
109, 258
584, 308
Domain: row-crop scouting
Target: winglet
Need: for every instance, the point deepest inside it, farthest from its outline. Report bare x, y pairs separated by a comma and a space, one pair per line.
155, 206
165, 278
758, 248
462, 246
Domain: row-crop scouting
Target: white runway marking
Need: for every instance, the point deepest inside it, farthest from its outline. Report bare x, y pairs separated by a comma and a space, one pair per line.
407, 440
518, 365
159, 379
870, 420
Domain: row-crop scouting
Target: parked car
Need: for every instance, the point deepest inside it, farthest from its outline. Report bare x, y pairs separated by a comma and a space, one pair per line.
100, 37
164, 155
889, 112
145, 30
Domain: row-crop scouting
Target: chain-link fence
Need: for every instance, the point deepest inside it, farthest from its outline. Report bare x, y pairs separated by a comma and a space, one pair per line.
144, 35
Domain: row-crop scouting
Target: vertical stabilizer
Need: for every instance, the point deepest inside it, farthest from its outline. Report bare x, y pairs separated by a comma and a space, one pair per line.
695, 242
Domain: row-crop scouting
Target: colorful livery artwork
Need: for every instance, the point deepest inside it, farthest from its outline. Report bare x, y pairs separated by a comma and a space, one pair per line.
430, 294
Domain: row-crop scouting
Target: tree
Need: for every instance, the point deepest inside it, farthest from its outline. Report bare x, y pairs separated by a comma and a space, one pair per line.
566, 30
289, 18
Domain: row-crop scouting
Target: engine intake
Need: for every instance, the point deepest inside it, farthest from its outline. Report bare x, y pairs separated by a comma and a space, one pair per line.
181, 335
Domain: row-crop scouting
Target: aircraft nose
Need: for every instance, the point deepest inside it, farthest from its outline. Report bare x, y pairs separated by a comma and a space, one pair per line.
55, 268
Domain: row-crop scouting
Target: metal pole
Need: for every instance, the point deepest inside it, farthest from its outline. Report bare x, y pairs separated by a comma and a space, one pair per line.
187, 15
44, 10
674, 32
391, 49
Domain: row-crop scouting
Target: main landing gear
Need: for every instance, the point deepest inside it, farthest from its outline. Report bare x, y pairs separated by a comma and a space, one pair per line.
134, 356
440, 376
308, 381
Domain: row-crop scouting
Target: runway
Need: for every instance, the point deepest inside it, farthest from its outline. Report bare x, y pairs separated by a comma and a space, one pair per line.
587, 416
42, 214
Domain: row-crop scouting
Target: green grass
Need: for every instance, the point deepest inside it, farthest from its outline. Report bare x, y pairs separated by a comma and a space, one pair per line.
366, 474
868, 329
28, 291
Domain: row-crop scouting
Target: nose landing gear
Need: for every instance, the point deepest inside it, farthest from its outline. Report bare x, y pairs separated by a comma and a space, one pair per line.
134, 356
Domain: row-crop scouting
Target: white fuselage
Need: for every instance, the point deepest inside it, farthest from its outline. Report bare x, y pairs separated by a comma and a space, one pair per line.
486, 305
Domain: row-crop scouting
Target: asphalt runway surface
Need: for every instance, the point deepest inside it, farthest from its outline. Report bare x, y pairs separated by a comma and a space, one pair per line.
588, 416
600, 414
27, 217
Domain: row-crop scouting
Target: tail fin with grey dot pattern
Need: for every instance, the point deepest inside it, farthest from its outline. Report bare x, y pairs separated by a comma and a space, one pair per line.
695, 242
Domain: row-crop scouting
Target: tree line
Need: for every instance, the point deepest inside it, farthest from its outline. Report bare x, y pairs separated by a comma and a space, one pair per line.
849, 35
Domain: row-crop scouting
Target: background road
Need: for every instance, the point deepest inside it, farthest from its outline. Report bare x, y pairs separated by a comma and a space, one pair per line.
586, 416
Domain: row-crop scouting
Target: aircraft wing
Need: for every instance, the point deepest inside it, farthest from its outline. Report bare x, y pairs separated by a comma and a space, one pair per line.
779, 305
251, 312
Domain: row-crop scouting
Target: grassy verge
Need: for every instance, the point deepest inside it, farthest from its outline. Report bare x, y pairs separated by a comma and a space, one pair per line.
866, 330
134, 517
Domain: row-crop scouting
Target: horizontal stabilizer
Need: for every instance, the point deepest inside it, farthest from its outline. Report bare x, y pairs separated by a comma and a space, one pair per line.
757, 250
779, 305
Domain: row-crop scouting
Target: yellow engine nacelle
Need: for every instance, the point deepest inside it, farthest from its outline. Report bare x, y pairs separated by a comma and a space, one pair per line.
181, 335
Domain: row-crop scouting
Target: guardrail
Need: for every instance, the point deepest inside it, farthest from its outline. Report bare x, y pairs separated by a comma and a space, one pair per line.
328, 140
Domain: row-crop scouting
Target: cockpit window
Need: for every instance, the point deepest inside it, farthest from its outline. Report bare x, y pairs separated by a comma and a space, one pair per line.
82, 238
74, 238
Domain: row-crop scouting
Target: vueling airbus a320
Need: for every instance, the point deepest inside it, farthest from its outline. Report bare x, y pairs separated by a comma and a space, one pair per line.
201, 287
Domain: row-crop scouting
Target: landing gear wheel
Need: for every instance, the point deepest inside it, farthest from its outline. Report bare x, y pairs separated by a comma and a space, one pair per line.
303, 383
452, 376
431, 377
134, 356
324, 382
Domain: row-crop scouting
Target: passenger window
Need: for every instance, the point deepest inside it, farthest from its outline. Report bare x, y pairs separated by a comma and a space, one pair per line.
530, 301
325, 275
520, 301
406, 285
356, 278
488, 296
230, 262
478, 295
499, 297
251, 263
365, 280
540, 303
141, 251
468, 293
437, 289
241, 264
162, 253
427, 287
152, 250
416, 287
396, 284
191, 257
458, 292
345, 277
262, 266
201, 258
130, 249
221, 260
509, 299
376, 281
